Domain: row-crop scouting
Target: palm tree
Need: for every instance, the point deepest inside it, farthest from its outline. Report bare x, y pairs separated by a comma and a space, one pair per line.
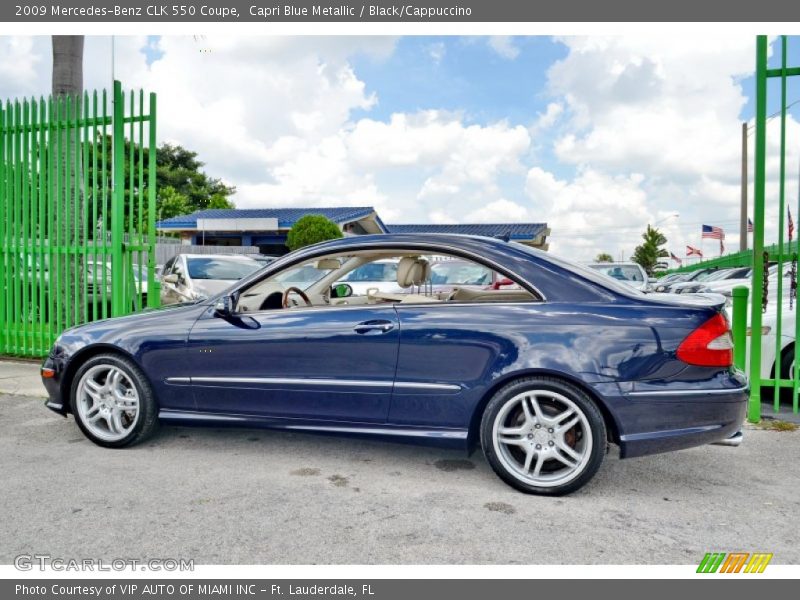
648, 253
68, 88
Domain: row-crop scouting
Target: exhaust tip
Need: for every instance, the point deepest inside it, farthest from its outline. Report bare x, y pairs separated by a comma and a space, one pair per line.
734, 440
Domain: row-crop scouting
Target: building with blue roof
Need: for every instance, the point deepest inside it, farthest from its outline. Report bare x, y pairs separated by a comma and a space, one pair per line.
266, 228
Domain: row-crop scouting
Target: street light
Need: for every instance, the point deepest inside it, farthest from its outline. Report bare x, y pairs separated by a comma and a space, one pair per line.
672, 216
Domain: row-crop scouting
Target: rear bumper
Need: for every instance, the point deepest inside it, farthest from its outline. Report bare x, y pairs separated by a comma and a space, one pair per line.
674, 419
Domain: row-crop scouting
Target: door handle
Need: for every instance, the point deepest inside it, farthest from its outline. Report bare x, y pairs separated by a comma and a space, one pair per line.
377, 326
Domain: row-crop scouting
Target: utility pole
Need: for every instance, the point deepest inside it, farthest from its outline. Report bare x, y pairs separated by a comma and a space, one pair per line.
743, 215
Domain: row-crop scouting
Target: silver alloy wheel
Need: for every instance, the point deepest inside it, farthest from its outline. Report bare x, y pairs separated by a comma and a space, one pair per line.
107, 402
542, 438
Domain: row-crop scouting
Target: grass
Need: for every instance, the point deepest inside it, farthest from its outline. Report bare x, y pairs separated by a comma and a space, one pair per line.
776, 425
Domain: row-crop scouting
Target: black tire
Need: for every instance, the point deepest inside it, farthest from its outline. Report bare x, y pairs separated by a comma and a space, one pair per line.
146, 424
594, 446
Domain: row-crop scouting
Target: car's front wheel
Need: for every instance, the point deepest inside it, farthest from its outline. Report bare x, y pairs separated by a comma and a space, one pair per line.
543, 436
112, 401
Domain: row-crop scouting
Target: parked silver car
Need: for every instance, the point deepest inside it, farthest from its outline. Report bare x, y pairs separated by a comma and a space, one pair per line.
189, 277
627, 272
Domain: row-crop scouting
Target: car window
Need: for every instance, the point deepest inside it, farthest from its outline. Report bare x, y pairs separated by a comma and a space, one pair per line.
586, 272
373, 272
220, 268
460, 273
301, 276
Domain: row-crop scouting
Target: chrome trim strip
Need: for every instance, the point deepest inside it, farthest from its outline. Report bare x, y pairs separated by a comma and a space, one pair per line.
195, 416
178, 380
688, 392
418, 385
415, 385
294, 381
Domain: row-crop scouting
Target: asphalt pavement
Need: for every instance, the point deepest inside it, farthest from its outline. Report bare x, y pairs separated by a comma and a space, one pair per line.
234, 496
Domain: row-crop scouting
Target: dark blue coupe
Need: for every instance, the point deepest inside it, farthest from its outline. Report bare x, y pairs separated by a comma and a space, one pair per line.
541, 375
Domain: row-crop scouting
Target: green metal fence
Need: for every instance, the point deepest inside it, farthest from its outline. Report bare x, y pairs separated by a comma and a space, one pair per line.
773, 300
77, 213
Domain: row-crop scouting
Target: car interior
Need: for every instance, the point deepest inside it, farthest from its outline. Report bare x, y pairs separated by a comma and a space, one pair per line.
314, 284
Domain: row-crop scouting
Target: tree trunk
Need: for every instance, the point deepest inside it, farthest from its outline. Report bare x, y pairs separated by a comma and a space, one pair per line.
68, 84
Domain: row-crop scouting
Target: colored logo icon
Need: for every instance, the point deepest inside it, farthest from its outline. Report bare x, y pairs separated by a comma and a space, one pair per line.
734, 562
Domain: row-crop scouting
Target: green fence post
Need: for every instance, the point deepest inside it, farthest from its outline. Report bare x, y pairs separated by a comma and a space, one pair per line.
754, 408
739, 326
117, 203
153, 284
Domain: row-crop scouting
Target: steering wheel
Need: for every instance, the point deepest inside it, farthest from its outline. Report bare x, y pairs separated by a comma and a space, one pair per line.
297, 291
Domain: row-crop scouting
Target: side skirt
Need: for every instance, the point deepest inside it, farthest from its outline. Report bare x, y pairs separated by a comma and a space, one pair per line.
423, 436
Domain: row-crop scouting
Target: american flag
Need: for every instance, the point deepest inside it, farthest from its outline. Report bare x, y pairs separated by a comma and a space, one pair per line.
791, 223
692, 251
749, 226
675, 258
714, 233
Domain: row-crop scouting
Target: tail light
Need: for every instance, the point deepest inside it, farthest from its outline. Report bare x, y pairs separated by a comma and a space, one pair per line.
710, 345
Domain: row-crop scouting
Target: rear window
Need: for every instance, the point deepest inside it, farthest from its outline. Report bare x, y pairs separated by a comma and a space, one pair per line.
583, 271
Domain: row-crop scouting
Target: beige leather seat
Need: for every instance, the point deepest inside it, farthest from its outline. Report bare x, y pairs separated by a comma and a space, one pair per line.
412, 271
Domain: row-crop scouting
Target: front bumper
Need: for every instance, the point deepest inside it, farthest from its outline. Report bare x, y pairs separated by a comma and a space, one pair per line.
55, 398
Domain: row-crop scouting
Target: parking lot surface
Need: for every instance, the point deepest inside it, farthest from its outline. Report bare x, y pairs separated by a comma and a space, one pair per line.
234, 496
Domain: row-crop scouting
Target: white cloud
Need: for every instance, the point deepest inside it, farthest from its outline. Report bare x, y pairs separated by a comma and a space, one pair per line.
594, 212
504, 46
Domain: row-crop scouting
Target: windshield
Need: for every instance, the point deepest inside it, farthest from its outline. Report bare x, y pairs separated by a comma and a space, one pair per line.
620, 272
373, 272
220, 268
460, 273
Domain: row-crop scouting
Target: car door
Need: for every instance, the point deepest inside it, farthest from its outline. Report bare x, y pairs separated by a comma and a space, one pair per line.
450, 354
326, 363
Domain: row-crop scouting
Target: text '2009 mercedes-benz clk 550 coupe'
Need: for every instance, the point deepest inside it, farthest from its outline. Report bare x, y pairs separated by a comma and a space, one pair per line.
541, 375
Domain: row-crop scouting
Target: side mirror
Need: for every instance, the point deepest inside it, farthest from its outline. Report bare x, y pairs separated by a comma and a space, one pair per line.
171, 278
224, 306
341, 290
504, 281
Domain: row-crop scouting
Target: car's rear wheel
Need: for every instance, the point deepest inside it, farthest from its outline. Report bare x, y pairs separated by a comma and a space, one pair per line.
112, 401
543, 436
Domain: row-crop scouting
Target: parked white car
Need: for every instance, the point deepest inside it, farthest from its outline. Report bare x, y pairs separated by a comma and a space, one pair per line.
714, 281
379, 275
770, 357
626, 272
189, 277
